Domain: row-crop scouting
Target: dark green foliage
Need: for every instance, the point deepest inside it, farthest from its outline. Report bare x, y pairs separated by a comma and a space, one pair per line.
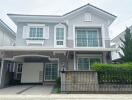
127, 46
58, 82
58, 85
114, 73
112, 67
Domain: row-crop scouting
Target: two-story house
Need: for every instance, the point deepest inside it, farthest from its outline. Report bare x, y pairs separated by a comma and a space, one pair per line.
45, 43
7, 38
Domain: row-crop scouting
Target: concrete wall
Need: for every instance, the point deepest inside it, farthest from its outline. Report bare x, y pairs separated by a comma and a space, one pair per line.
30, 72
79, 81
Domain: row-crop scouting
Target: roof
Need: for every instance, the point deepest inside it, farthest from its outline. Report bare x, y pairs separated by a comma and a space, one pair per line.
90, 6
121, 35
57, 17
7, 28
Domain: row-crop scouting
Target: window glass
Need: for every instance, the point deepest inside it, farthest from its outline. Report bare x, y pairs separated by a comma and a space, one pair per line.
87, 38
86, 63
51, 71
36, 32
59, 33
83, 64
94, 60
60, 36
59, 42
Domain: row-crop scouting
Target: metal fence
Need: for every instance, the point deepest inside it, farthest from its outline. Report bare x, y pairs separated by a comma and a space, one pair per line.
93, 82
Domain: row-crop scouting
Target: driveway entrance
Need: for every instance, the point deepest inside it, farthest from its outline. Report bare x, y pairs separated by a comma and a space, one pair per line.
26, 90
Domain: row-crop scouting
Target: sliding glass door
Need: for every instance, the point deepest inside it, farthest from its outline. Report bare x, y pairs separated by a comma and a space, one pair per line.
51, 71
85, 63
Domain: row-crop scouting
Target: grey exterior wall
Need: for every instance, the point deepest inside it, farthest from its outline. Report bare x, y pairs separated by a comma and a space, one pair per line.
70, 22
6, 39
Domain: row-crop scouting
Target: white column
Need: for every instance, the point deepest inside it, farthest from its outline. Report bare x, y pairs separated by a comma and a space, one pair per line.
104, 58
1, 71
74, 60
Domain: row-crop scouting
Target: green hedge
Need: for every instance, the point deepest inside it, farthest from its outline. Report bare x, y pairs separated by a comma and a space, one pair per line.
114, 73
112, 67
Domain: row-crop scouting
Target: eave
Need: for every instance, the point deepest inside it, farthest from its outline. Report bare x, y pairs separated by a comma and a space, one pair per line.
31, 48
55, 18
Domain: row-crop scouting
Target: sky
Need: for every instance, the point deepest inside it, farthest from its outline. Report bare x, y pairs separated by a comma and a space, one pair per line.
121, 8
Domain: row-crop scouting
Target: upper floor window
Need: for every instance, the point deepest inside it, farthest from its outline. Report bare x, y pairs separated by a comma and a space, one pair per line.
36, 32
60, 38
86, 37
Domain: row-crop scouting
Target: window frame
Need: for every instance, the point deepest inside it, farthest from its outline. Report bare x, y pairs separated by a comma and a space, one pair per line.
51, 70
87, 43
64, 38
89, 57
36, 26
101, 26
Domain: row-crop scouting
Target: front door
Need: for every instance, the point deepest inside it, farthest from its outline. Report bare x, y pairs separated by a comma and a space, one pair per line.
50, 71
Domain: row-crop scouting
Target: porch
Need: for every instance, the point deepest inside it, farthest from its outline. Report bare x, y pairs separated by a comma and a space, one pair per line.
29, 69
43, 67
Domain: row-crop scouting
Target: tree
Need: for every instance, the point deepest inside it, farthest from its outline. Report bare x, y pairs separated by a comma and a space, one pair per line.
126, 46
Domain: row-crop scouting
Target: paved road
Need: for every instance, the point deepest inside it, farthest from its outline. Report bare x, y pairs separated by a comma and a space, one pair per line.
68, 97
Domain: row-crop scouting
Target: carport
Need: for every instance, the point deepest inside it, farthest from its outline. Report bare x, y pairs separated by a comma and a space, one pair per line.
28, 69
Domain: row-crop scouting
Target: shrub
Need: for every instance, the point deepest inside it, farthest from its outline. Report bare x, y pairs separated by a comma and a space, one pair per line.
112, 67
114, 73
58, 82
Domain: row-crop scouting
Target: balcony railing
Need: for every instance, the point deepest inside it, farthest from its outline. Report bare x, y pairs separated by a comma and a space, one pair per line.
88, 42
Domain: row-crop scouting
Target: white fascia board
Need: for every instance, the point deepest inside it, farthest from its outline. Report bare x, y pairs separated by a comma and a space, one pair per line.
40, 48
27, 18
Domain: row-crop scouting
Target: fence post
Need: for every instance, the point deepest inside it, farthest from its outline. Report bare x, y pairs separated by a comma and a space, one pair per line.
63, 81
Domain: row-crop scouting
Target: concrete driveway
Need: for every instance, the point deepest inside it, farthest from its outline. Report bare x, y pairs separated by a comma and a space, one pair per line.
38, 90
26, 90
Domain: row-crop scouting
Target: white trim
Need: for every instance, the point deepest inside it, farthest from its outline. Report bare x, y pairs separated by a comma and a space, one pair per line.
31, 55
35, 42
103, 35
89, 55
74, 60
87, 17
36, 25
89, 26
40, 48
64, 41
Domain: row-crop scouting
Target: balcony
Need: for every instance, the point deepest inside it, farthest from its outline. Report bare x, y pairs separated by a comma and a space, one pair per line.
88, 42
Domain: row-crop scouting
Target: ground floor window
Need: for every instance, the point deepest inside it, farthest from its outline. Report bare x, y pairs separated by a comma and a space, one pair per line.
85, 63
51, 71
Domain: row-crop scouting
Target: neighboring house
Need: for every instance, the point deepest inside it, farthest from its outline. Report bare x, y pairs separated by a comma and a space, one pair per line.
116, 43
46, 44
7, 37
